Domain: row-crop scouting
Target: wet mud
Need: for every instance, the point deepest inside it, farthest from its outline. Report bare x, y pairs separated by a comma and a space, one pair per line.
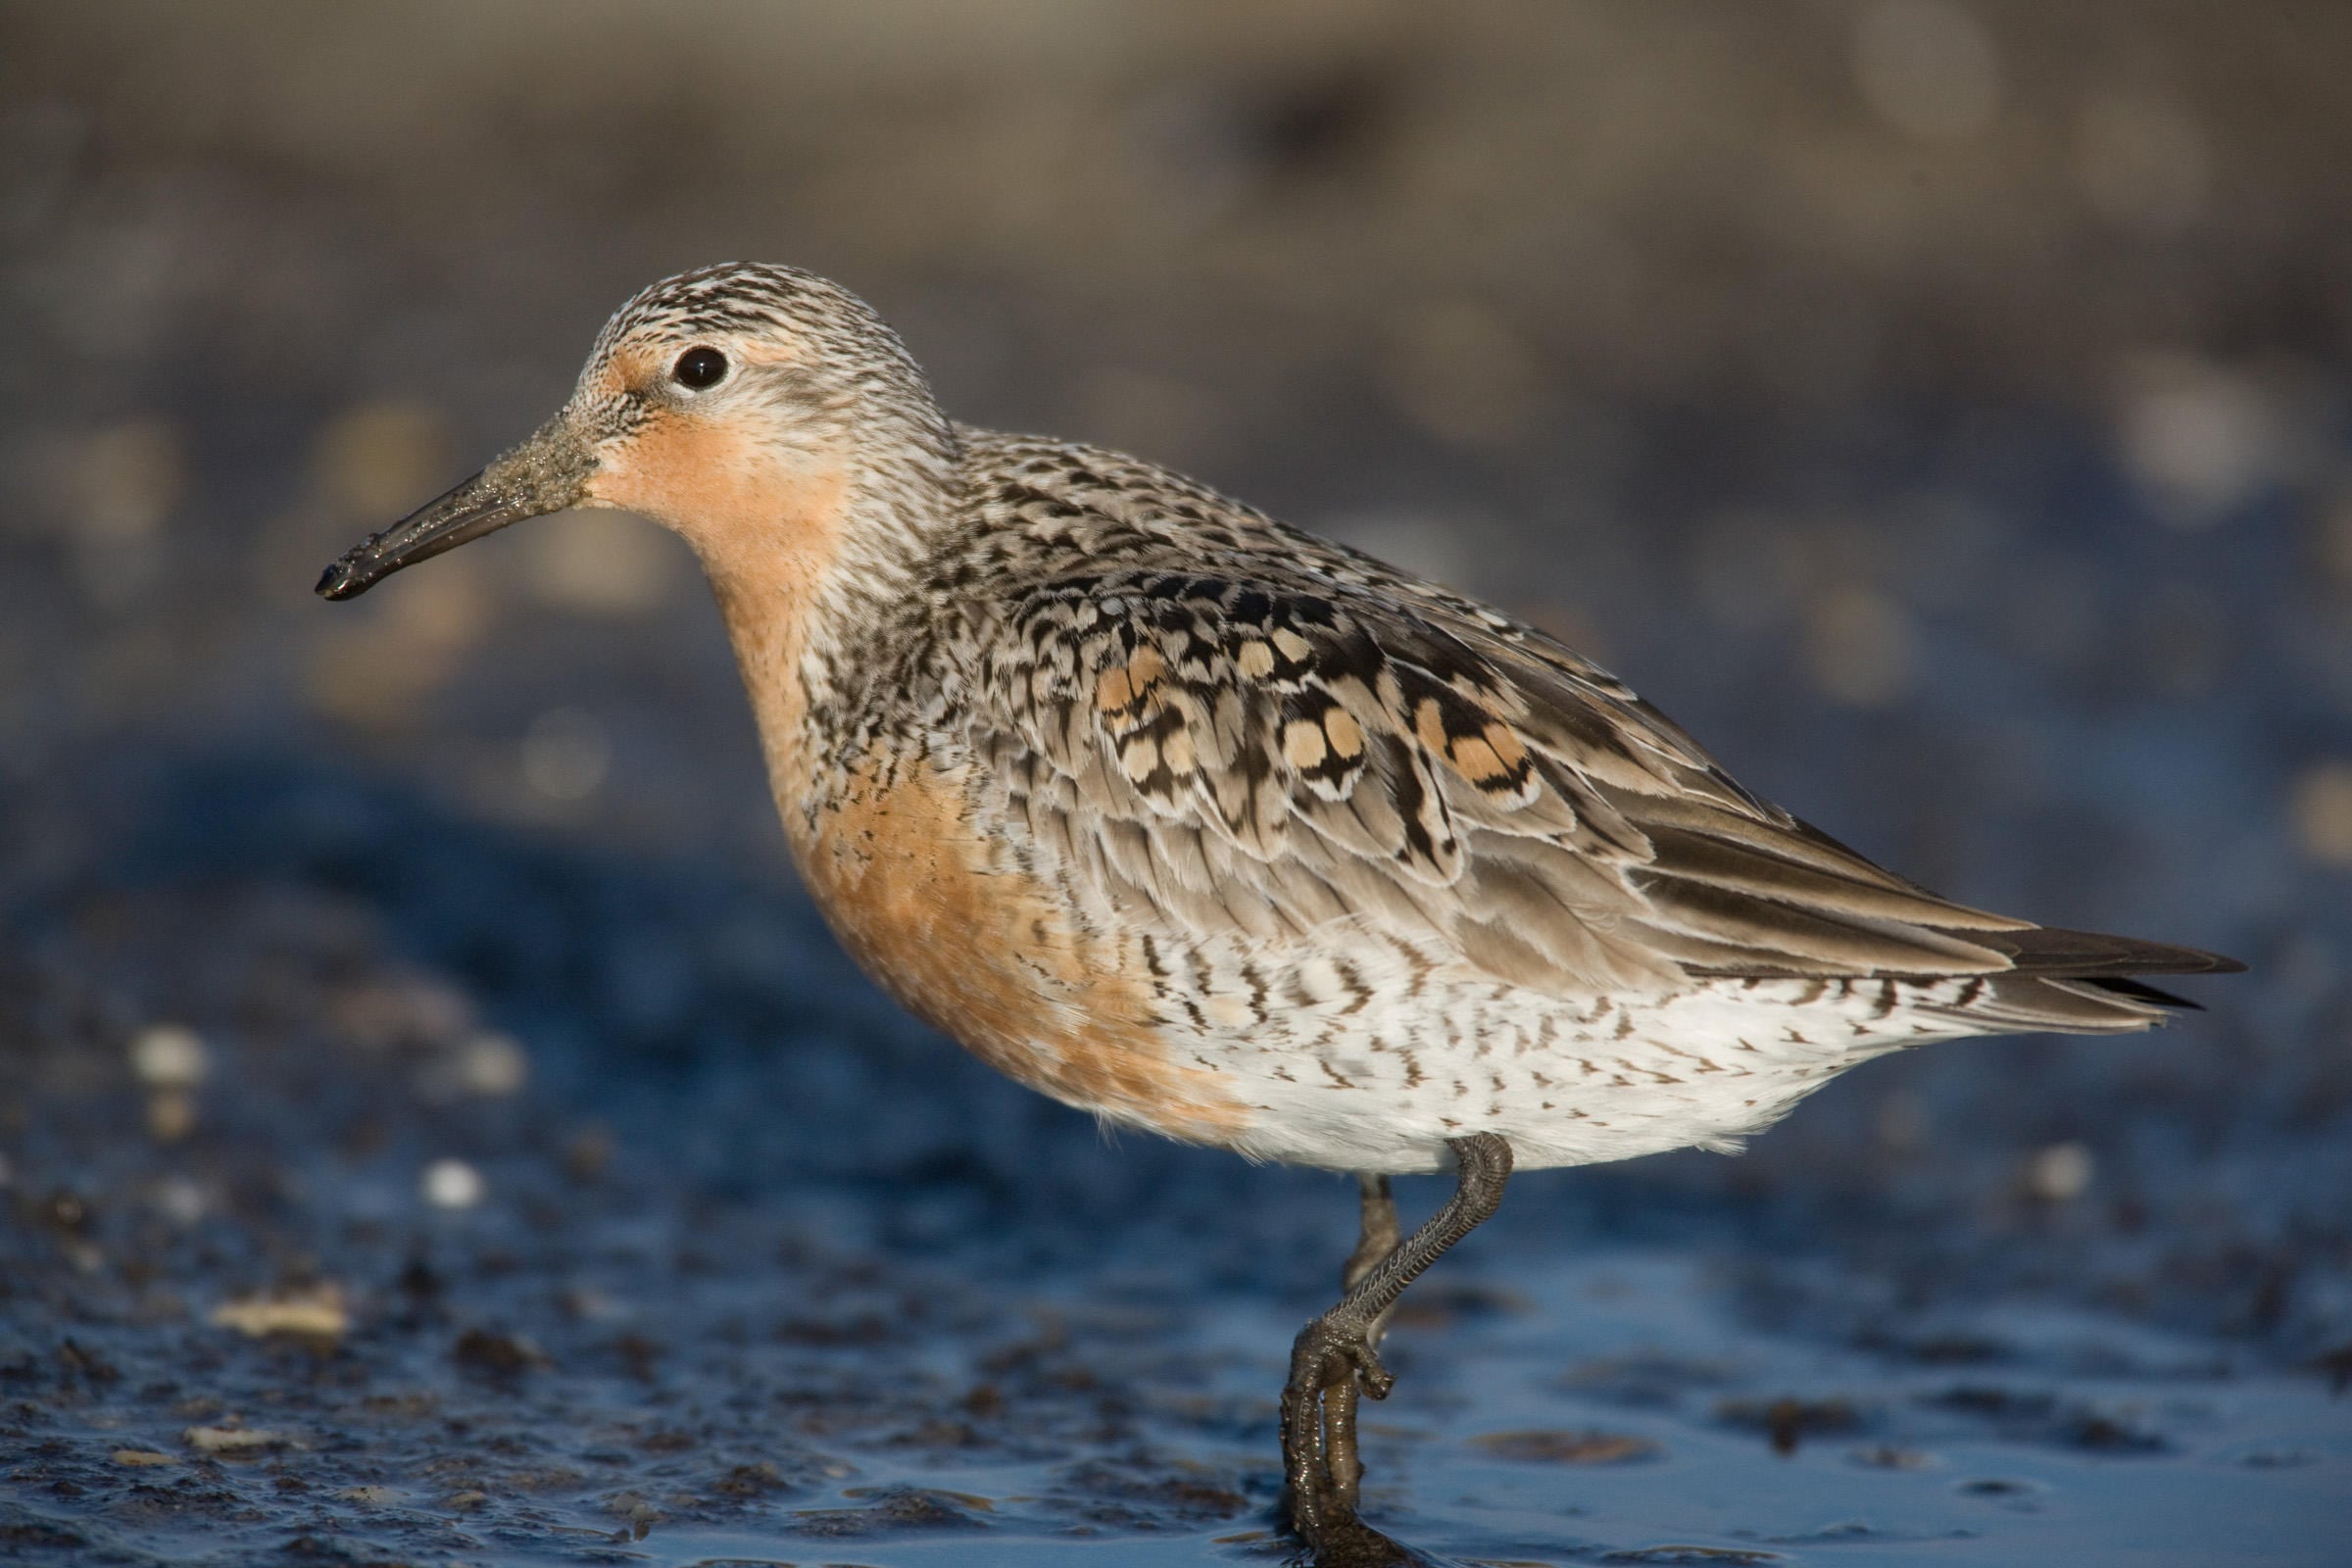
434, 1131
742, 1268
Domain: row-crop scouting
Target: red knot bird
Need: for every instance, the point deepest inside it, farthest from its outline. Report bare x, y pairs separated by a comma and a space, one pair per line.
1209, 826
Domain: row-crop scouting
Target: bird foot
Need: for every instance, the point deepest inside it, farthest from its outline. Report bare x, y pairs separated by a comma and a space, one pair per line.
1331, 1363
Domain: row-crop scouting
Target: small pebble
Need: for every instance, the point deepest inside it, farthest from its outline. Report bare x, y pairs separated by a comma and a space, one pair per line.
233, 1439
453, 1184
2060, 1172
492, 1066
317, 1311
168, 1055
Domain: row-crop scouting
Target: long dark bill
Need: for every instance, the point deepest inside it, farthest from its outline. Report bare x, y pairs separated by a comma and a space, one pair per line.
546, 473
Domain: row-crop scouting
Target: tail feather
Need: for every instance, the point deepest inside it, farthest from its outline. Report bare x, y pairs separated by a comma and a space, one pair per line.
2123, 987
2033, 1003
2090, 955
2075, 982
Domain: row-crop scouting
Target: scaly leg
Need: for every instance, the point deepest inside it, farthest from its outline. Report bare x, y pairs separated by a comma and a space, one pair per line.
1334, 1357
1380, 1232
1378, 1238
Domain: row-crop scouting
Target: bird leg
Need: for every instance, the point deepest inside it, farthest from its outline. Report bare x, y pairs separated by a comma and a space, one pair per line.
1379, 1234
1333, 1359
1377, 1237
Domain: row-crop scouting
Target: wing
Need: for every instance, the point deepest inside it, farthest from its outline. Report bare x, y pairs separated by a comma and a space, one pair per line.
1267, 753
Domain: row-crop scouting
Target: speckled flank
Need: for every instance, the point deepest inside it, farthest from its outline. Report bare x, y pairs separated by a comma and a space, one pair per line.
1210, 826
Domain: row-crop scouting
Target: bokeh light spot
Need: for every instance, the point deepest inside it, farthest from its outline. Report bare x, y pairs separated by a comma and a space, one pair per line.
1928, 67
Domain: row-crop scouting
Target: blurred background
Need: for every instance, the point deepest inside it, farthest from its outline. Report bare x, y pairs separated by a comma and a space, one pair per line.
1938, 406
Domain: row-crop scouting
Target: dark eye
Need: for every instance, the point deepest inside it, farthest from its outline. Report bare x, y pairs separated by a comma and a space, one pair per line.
699, 368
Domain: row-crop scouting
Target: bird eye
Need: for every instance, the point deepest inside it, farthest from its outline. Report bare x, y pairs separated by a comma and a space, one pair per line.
699, 368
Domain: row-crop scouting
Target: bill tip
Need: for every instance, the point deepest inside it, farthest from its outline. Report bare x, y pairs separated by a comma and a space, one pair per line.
338, 581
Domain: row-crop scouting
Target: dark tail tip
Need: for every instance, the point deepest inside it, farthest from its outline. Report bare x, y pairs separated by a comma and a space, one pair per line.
2140, 991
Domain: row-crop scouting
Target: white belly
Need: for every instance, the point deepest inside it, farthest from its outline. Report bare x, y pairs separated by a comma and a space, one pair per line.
1383, 1088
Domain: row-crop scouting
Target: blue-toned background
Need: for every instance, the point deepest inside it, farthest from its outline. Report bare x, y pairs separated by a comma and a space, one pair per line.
433, 1128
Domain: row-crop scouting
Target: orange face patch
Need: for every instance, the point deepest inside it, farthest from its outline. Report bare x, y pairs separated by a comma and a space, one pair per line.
707, 475
743, 504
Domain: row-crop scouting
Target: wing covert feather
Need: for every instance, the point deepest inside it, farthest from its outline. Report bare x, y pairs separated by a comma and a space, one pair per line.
1259, 755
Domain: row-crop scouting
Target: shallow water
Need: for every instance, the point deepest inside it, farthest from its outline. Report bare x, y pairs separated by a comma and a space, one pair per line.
1615, 1410
757, 1272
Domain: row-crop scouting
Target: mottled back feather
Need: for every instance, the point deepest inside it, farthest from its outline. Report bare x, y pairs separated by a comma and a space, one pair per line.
1241, 726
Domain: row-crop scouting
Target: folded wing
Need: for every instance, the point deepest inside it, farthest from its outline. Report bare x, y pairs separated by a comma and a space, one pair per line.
1269, 753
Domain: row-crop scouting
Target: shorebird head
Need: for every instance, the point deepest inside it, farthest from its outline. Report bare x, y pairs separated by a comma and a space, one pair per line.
756, 409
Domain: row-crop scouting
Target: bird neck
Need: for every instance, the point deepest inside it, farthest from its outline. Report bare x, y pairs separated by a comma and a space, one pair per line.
837, 546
